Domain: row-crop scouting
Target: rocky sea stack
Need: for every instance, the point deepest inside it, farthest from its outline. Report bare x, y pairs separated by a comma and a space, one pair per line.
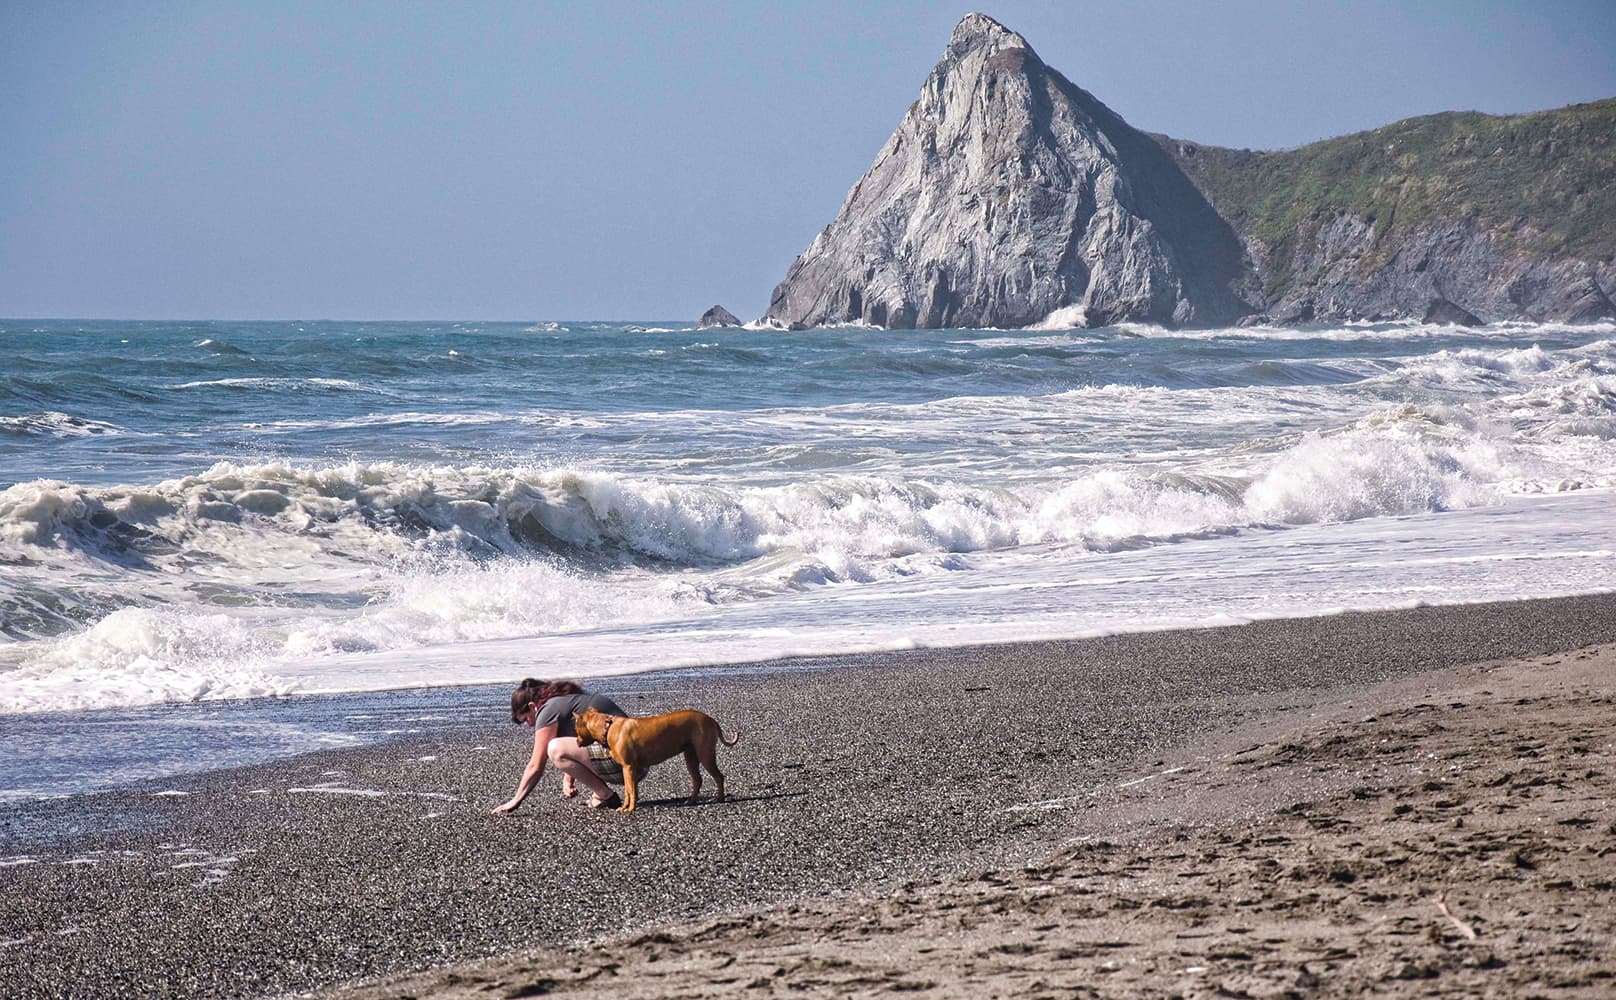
1008, 197
1005, 194
717, 316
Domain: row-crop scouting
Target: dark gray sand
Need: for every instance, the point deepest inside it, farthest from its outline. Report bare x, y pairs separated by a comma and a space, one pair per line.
1469, 850
861, 779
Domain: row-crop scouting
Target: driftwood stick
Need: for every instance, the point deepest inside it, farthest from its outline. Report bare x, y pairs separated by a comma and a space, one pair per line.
1468, 931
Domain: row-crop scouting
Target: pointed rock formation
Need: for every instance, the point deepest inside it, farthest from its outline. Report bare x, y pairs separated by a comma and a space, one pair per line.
1006, 194
717, 316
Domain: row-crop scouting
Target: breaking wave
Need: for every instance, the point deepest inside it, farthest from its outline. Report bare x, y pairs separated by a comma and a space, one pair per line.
194, 586
53, 424
1396, 461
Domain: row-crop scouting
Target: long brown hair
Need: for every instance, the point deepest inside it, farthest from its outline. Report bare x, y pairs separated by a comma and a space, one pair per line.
534, 693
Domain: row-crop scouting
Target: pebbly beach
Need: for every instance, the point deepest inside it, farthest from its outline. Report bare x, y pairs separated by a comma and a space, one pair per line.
870, 797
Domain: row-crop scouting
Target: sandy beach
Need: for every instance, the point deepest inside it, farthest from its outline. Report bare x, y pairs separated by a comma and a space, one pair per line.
1416, 802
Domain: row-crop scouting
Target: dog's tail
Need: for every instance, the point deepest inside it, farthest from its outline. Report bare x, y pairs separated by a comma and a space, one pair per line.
729, 742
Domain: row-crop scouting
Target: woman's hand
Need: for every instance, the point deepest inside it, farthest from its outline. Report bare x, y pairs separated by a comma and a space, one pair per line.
535, 768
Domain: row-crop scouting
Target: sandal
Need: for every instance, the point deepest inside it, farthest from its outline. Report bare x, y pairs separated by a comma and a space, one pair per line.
610, 802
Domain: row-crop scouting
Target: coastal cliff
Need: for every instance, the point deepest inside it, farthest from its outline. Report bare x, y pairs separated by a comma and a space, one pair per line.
1009, 197
1458, 216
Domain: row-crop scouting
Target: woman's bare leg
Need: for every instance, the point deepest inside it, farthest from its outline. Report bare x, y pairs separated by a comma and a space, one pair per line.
573, 761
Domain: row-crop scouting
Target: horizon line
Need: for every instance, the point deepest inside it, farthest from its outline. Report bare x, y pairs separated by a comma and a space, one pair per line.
328, 319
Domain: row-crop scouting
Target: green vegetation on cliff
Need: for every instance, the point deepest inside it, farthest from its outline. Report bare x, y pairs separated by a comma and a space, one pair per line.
1543, 182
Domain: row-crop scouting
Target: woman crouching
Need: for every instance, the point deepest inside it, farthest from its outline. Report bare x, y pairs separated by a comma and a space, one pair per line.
548, 708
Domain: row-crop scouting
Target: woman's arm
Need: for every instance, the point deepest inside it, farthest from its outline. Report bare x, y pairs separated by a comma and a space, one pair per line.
535, 767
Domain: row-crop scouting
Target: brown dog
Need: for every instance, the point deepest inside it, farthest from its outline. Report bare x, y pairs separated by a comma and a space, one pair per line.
636, 744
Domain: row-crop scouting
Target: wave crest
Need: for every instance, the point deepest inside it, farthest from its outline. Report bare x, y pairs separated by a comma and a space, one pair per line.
51, 423
354, 518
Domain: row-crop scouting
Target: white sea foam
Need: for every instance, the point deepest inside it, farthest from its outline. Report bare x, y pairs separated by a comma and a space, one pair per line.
138, 656
245, 579
1061, 338
526, 597
413, 537
1523, 547
1372, 471
51, 423
1064, 318
282, 384
1411, 330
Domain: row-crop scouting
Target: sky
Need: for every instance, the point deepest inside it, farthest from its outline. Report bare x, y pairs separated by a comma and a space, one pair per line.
533, 161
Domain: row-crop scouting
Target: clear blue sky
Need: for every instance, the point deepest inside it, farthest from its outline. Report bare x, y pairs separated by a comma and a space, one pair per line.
614, 161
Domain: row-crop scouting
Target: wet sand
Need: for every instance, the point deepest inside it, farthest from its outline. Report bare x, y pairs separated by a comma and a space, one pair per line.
1280, 807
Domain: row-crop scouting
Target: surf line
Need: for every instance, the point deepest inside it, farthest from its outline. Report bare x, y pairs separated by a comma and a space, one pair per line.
1044, 805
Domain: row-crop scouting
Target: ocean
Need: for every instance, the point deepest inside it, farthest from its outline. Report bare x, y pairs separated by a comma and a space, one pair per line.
197, 513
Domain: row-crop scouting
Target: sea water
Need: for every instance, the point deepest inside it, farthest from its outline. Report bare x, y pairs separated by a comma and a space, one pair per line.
192, 512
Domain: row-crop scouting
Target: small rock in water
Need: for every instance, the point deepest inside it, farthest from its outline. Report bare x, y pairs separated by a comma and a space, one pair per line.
1443, 311
717, 316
